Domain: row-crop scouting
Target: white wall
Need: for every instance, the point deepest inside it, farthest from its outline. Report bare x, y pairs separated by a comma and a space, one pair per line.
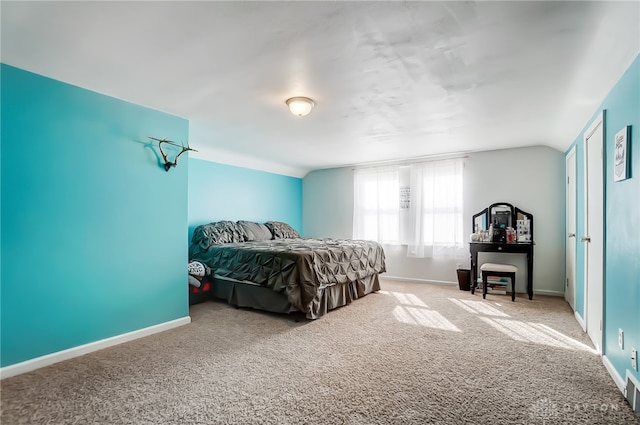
327, 204
530, 178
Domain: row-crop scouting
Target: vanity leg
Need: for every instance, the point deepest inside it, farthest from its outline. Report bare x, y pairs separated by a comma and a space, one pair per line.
484, 285
530, 274
474, 270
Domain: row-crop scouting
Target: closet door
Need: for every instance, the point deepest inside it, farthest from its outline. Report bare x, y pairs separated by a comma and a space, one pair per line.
593, 236
570, 237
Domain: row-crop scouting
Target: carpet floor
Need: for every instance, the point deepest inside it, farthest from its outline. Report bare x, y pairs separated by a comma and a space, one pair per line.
413, 353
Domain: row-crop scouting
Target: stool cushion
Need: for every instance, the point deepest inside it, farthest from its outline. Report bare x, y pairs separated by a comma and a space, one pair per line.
493, 267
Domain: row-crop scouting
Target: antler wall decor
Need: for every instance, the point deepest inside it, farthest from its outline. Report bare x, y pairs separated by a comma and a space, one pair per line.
168, 164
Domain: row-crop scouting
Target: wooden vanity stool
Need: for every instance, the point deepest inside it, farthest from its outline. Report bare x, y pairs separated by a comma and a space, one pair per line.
500, 270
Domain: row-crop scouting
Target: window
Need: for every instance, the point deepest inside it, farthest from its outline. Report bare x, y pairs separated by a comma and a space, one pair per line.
419, 205
376, 205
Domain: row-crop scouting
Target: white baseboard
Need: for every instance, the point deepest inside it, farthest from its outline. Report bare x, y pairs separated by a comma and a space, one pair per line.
581, 321
449, 283
549, 293
49, 359
412, 279
620, 383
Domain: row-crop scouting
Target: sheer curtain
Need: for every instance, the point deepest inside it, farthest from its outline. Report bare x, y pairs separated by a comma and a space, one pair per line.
436, 209
376, 204
427, 217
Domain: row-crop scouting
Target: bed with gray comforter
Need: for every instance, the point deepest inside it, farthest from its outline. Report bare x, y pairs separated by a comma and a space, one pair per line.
279, 271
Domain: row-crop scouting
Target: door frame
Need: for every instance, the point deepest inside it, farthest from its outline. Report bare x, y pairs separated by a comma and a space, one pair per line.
572, 158
598, 122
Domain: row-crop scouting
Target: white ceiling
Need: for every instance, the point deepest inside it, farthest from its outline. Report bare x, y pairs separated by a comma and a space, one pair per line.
391, 80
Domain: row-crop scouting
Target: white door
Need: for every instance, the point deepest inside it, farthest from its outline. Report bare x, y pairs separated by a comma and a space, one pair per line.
593, 231
570, 238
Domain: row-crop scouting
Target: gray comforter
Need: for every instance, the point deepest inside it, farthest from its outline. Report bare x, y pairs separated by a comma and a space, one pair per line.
300, 268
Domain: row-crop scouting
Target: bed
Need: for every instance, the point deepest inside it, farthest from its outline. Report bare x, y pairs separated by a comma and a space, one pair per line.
268, 266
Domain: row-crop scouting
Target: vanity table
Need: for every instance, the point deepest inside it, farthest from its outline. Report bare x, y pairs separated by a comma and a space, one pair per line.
503, 215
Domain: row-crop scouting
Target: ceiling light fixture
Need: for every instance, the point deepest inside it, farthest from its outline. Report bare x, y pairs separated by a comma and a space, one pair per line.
300, 106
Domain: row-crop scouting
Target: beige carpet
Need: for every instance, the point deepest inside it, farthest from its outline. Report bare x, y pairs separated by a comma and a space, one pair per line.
412, 354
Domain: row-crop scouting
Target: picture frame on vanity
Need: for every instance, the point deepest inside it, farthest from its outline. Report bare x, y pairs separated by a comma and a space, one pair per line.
620, 154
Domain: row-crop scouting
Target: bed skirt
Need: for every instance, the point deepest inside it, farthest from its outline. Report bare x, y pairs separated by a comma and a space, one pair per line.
244, 294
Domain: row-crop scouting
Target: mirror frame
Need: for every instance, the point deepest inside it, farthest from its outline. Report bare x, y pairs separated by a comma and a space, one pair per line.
518, 212
506, 206
484, 225
483, 219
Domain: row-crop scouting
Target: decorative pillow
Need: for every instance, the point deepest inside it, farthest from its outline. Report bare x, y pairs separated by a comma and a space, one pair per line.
217, 233
255, 231
281, 230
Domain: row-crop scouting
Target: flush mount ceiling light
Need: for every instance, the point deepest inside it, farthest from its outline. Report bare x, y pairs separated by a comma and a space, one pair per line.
300, 106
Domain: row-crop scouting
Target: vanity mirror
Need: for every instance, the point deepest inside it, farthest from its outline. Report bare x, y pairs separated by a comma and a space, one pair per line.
480, 221
524, 225
501, 215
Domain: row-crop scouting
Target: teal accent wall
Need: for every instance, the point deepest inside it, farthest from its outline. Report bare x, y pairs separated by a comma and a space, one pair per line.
94, 231
622, 224
225, 192
622, 228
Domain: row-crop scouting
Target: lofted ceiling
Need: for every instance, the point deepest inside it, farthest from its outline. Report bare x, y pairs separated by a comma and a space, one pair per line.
391, 80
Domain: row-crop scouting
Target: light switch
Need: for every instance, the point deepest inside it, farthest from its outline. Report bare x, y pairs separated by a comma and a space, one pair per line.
620, 339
